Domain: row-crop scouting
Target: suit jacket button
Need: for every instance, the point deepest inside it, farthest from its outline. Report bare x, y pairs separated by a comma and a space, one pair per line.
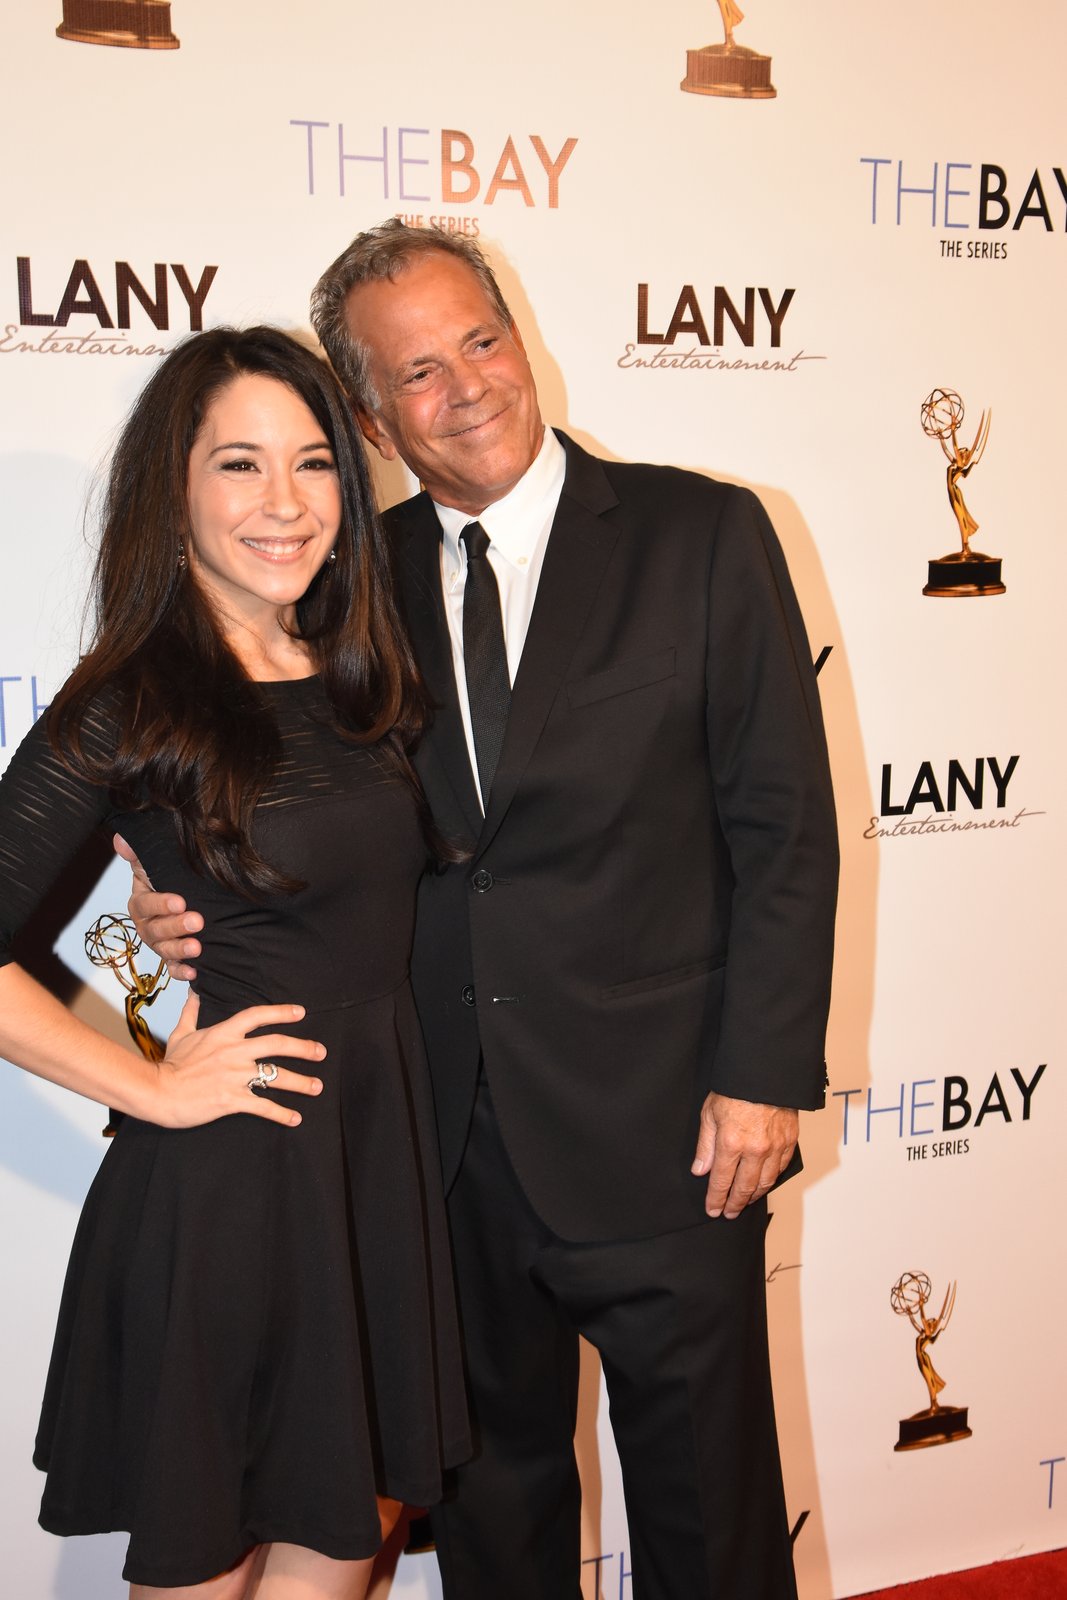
466, 994
482, 880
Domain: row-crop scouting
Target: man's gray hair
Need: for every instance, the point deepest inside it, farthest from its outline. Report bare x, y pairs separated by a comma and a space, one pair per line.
380, 253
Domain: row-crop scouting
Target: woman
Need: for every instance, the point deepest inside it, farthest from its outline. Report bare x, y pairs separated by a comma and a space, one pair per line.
257, 1337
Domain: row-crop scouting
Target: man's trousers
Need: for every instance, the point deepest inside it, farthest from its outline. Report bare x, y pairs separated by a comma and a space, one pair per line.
680, 1325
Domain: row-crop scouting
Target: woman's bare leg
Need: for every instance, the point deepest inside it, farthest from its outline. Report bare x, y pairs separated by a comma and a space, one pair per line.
284, 1572
389, 1515
232, 1585
292, 1572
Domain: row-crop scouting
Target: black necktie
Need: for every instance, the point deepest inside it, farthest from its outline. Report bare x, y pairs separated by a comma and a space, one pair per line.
485, 659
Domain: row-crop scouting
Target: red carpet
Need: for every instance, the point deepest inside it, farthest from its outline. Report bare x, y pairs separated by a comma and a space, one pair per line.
1042, 1577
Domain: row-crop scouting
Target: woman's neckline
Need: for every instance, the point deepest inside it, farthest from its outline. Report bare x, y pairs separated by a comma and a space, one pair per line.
285, 683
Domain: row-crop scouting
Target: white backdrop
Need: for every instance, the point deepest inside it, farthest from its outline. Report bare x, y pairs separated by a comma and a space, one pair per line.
563, 139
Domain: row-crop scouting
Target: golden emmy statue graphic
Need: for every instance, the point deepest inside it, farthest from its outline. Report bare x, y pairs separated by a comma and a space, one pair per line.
129, 24
965, 573
728, 68
938, 1424
113, 942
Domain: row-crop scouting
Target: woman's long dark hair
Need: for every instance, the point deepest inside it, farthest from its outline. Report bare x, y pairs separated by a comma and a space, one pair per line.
195, 735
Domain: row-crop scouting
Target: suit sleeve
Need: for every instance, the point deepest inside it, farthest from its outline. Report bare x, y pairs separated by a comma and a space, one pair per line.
46, 814
773, 795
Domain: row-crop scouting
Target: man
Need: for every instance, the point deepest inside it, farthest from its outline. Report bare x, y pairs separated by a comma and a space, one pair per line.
624, 986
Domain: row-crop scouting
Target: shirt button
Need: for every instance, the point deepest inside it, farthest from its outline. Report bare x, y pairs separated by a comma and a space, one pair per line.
466, 994
482, 880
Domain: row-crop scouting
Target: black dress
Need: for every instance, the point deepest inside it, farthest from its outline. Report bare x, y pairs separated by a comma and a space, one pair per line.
257, 1332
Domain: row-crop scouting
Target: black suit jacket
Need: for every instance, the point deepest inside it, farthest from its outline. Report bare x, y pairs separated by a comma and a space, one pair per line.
647, 911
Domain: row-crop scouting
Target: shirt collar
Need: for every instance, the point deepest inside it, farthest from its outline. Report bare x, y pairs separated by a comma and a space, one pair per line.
515, 524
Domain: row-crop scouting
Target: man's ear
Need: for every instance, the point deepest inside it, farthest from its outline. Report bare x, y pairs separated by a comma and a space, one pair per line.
375, 434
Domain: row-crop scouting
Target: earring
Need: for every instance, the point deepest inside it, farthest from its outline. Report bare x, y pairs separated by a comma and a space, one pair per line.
181, 558
332, 555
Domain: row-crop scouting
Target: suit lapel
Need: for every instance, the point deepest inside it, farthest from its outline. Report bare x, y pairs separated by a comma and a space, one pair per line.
579, 548
445, 745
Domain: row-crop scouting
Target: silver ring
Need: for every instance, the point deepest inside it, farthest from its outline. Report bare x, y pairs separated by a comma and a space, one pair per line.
266, 1074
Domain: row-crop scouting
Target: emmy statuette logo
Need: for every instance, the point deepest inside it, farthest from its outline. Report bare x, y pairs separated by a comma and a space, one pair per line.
937, 1424
127, 24
966, 573
113, 942
729, 69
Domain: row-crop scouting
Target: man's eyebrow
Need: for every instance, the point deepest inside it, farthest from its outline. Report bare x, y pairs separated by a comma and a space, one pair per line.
414, 362
482, 329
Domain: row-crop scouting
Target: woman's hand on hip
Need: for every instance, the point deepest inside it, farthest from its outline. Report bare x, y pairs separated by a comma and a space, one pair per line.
208, 1073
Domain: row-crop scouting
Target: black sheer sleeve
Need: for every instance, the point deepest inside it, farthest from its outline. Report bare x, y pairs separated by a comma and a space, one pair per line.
46, 814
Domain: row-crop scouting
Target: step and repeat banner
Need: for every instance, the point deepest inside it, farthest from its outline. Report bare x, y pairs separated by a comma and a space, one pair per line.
817, 250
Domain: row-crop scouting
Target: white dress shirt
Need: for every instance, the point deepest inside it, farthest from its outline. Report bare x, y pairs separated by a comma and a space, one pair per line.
517, 527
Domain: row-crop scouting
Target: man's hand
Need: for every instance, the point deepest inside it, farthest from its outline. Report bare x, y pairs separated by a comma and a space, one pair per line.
743, 1148
162, 920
